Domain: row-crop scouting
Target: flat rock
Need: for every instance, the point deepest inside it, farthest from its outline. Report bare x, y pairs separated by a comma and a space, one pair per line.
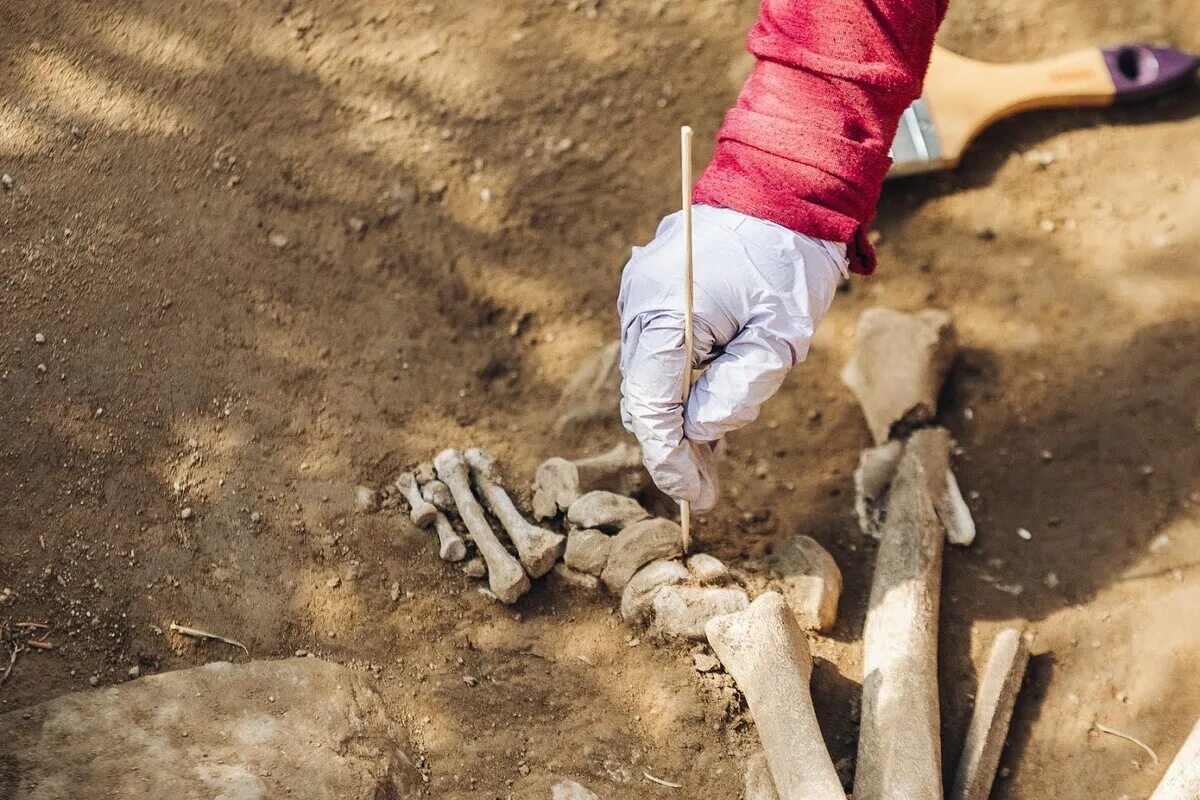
707, 569
681, 611
638, 545
587, 550
809, 580
299, 727
605, 510
900, 361
639, 592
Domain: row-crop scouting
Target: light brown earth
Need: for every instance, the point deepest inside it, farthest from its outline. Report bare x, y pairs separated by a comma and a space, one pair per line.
156, 148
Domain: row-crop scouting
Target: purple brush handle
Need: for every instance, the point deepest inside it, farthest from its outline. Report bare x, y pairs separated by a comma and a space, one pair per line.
1139, 71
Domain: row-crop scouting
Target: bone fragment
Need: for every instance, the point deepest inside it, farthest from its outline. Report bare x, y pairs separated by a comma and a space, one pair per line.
560, 482
899, 363
876, 468
421, 511
637, 545
575, 578
645, 583
1182, 779
994, 703
537, 548
809, 580
438, 493
606, 511
707, 569
899, 749
366, 500
587, 550
506, 578
475, 568
954, 513
680, 612
757, 781
451, 546
424, 472
766, 653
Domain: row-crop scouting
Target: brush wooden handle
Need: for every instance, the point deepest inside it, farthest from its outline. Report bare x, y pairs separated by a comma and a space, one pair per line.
965, 96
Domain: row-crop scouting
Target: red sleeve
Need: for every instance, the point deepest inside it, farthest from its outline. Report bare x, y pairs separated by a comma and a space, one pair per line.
807, 143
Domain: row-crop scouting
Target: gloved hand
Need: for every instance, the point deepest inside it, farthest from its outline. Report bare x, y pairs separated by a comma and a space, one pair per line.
760, 290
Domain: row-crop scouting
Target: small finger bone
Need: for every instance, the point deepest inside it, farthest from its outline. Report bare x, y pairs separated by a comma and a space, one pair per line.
537, 548
506, 578
766, 653
421, 511
451, 546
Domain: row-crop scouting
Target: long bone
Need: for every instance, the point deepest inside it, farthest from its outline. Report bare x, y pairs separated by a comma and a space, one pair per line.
765, 651
451, 546
537, 548
899, 746
560, 482
421, 511
506, 578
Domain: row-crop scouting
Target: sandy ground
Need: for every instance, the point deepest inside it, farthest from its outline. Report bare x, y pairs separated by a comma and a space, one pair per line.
278, 249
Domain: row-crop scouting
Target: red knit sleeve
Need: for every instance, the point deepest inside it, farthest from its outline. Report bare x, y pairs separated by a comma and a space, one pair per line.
807, 143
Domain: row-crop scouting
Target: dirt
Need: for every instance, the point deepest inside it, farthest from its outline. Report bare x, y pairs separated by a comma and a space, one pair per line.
275, 250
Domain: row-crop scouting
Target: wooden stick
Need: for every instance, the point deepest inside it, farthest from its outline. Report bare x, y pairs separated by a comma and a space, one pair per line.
685, 156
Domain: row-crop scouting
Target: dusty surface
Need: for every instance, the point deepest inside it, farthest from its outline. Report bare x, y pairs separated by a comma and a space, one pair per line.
453, 187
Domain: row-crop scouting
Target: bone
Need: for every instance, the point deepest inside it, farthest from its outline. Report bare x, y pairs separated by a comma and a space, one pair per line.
366, 500
707, 569
994, 703
560, 482
876, 468
587, 550
1182, 779
645, 583
475, 568
899, 749
424, 472
757, 781
809, 580
506, 578
766, 653
451, 546
421, 511
606, 511
438, 493
899, 363
680, 612
953, 511
537, 548
637, 545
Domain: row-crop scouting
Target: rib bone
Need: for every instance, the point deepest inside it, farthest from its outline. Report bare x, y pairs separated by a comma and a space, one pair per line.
421, 511
899, 749
505, 576
537, 547
766, 653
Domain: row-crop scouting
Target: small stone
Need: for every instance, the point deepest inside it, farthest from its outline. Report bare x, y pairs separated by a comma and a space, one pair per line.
40, 338
570, 790
575, 578
1047, 226
186, 513
394, 592
587, 550
278, 240
705, 662
809, 580
135, 671
334, 582
1047, 455
255, 517
645, 583
6, 181
681, 611
606, 511
356, 224
94, 680
366, 500
1024, 534
1051, 580
707, 569
475, 568
1159, 543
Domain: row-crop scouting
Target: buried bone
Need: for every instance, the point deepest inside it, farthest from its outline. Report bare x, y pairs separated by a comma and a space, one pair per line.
537, 548
506, 577
899, 363
606, 511
637, 545
559, 482
994, 701
438, 493
645, 583
809, 580
421, 511
451, 546
765, 651
587, 550
899, 747
680, 612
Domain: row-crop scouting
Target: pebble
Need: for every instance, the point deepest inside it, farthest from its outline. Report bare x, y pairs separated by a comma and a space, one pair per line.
40, 338
1024, 534
255, 517
135, 671
1160, 543
1051, 580
705, 662
475, 568
94, 680
186, 513
334, 582
278, 240
6, 181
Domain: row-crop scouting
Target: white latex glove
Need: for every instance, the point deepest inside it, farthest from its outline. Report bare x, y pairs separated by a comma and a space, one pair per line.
760, 290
